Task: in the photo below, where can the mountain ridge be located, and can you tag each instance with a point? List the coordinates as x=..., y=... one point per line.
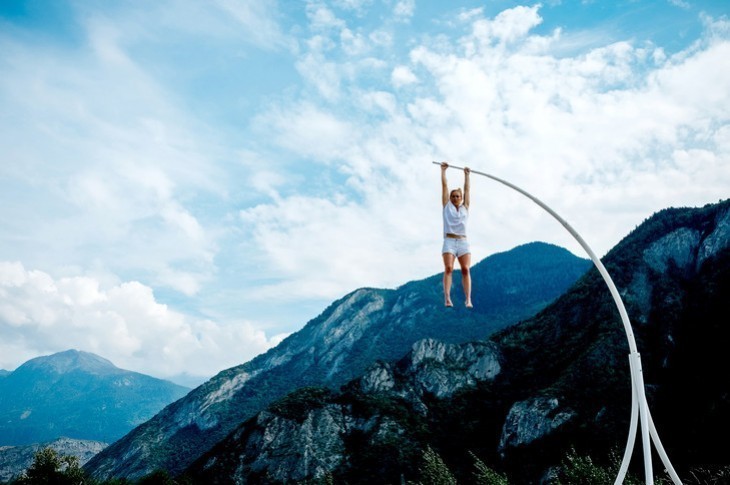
x=69, y=360
x=351, y=333
x=524, y=397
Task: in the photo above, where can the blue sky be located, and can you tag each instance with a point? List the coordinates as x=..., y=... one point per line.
x=185, y=183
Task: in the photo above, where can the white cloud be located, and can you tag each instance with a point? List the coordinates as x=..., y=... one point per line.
x=470, y=15
x=317, y=248
x=381, y=38
x=116, y=160
x=309, y=131
x=404, y=9
x=402, y=76
x=357, y=6
x=353, y=44
x=321, y=17
x=324, y=75
x=508, y=26
x=257, y=19
x=246, y=23
x=587, y=133
x=681, y=4
x=124, y=323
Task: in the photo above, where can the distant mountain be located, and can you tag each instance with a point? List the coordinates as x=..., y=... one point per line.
x=364, y=326
x=14, y=460
x=523, y=398
x=78, y=395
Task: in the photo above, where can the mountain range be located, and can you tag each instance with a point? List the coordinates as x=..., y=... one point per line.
x=77, y=395
x=519, y=397
x=523, y=398
x=337, y=346
x=537, y=370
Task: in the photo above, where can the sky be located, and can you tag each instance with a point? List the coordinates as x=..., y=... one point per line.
x=183, y=184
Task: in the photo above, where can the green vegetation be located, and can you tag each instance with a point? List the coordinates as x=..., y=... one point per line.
x=577, y=469
x=50, y=467
x=483, y=475
x=433, y=470
x=574, y=470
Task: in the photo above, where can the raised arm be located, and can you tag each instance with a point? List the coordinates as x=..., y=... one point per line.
x=466, y=187
x=444, y=185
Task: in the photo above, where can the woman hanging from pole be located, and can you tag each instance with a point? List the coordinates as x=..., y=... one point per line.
x=456, y=246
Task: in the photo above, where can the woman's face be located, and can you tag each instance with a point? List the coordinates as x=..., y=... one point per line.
x=456, y=198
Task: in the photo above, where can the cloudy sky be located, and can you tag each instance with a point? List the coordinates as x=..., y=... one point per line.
x=184, y=183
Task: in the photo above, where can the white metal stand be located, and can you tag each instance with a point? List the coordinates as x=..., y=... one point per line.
x=639, y=407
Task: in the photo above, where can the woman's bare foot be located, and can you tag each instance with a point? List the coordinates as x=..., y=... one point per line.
x=448, y=303
x=468, y=304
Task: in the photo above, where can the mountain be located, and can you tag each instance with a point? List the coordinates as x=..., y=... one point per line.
x=337, y=346
x=14, y=460
x=522, y=399
x=79, y=395
x=3, y=373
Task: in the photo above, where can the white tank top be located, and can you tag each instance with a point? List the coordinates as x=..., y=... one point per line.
x=455, y=219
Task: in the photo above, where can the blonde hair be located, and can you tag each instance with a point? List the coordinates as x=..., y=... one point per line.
x=456, y=190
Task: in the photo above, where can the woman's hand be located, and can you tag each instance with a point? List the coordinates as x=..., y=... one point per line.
x=444, y=165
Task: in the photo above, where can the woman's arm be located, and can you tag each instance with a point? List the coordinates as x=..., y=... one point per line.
x=466, y=187
x=444, y=185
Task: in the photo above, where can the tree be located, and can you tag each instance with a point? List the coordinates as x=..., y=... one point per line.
x=483, y=475
x=434, y=471
x=49, y=467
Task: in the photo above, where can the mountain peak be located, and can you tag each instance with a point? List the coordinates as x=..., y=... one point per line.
x=79, y=395
x=71, y=360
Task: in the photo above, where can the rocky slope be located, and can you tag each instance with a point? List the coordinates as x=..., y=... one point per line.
x=362, y=327
x=309, y=434
x=14, y=460
x=79, y=395
x=522, y=398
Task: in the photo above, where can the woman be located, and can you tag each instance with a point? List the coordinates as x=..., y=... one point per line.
x=455, y=215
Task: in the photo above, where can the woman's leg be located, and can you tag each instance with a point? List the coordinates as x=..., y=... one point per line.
x=448, y=271
x=465, y=263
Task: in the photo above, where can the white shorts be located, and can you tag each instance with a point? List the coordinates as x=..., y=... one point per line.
x=457, y=247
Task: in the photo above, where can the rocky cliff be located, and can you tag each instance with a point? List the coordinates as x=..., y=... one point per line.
x=312, y=432
x=364, y=326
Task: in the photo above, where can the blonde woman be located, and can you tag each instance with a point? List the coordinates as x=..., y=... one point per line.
x=456, y=246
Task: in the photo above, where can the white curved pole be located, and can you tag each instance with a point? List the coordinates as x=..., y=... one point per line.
x=637, y=381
